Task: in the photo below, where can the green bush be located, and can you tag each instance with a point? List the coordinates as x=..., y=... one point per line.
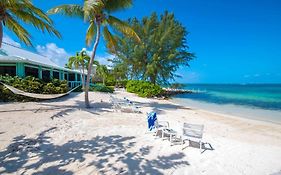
x=121, y=83
x=143, y=88
x=32, y=85
x=110, y=80
x=101, y=88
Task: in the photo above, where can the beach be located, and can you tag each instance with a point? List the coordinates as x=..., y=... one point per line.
x=62, y=137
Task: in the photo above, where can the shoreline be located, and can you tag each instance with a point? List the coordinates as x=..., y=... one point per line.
x=240, y=111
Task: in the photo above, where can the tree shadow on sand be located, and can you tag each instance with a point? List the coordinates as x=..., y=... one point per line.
x=26, y=155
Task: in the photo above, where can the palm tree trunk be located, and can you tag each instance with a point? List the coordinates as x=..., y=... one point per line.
x=1, y=33
x=87, y=85
x=83, y=77
x=83, y=80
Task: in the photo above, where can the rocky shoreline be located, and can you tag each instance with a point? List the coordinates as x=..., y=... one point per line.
x=168, y=92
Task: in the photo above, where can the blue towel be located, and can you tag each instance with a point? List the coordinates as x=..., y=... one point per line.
x=151, y=118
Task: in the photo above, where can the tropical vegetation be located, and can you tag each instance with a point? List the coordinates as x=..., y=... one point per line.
x=98, y=14
x=162, y=51
x=79, y=61
x=102, y=72
x=98, y=87
x=144, y=88
x=14, y=13
x=32, y=85
x=102, y=88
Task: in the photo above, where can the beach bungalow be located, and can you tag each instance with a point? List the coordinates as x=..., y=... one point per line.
x=16, y=61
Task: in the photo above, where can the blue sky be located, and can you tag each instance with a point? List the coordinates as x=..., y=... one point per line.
x=235, y=41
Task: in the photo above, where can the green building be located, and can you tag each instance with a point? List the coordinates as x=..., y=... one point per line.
x=16, y=61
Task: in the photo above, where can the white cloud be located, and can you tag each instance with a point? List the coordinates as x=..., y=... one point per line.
x=56, y=54
x=103, y=59
x=9, y=40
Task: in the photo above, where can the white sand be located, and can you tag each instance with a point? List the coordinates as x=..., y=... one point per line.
x=62, y=137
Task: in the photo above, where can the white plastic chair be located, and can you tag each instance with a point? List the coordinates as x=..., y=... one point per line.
x=192, y=132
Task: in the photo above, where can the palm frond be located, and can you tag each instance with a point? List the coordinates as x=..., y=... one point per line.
x=115, y=5
x=71, y=61
x=111, y=42
x=72, y=10
x=16, y=6
x=91, y=31
x=8, y=3
x=38, y=12
x=21, y=33
x=91, y=8
x=38, y=23
x=123, y=27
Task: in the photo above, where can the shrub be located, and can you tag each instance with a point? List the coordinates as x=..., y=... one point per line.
x=143, y=88
x=98, y=87
x=121, y=83
x=101, y=88
x=32, y=85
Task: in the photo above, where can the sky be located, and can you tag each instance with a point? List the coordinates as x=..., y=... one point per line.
x=235, y=41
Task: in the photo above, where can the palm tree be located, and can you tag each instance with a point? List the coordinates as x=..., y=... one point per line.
x=81, y=59
x=97, y=14
x=15, y=12
x=102, y=72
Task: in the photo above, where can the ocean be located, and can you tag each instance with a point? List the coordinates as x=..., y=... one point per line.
x=259, y=101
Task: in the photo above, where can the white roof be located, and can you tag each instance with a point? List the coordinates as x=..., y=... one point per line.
x=10, y=53
x=19, y=54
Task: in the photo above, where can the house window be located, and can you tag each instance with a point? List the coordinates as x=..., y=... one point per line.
x=45, y=75
x=71, y=77
x=30, y=71
x=10, y=70
x=78, y=77
x=56, y=75
x=65, y=76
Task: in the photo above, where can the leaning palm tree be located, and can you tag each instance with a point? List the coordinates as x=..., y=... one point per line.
x=81, y=59
x=15, y=12
x=97, y=14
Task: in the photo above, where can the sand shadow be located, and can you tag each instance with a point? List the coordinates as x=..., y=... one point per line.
x=29, y=154
x=205, y=146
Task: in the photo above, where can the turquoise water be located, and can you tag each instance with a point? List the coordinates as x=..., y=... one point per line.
x=263, y=96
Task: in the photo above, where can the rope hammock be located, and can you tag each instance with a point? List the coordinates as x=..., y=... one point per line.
x=34, y=95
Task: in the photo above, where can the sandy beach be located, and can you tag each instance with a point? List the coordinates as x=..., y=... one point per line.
x=63, y=137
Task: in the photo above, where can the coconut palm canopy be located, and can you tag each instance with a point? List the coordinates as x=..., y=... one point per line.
x=13, y=13
x=97, y=14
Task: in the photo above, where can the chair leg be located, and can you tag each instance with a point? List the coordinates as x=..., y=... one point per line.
x=171, y=139
x=200, y=145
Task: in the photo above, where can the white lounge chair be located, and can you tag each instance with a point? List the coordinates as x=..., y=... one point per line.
x=192, y=132
x=124, y=105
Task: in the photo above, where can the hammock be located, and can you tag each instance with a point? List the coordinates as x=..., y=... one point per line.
x=34, y=95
